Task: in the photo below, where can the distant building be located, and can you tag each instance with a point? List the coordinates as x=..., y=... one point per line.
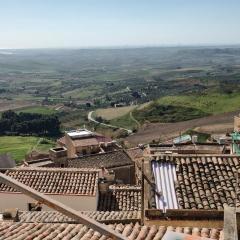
x=84, y=142
x=182, y=139
x=116, y=105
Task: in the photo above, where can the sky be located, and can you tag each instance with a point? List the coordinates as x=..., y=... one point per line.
x=118, y=23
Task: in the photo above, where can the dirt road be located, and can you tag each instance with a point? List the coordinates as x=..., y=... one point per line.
x=214, y=124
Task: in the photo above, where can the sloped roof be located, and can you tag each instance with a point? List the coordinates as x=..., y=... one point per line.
x=120, y=198
x=55, y=180
x=135, y=153
x=59, y=231
x=204, y=182
x=107, y=160
x=57, y=217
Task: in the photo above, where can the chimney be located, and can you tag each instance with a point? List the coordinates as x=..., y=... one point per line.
x=11, y=215
x=58, y=156
x=107, y=179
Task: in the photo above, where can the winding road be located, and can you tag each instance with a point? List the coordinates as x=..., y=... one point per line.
x=91, y=119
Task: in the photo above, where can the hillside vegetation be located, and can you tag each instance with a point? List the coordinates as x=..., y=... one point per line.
x=167, y=113
x=12, y=123
x=187, y=107
x=83, y=80
x=173, y=109
x=212, y=103
x=106, y=77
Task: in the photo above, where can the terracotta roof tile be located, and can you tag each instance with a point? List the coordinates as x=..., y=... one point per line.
x=56, y=217
x=120, y=198
x=59, y=231
x=55, y=180
x=107, y=160
x=205, y=182
x=135, y=153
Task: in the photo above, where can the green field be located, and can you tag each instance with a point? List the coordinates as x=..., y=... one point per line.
x=18, y=146
x=212, y=103
x=112, y=113
x=167, y=113
x=80, y=93
x=124, y=121
x=37, y=109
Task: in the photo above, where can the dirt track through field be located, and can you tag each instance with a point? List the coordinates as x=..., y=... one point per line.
x=163, y=131
x=13, y=105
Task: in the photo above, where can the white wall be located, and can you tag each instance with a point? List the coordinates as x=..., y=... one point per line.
x=20, y=201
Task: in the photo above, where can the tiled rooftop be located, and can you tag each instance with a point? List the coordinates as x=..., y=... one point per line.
x=107, y=160
x=56, y=217
x=204, y=182
x=135, y=153
x=55, y=180
x=120, y=198
x=36, y=231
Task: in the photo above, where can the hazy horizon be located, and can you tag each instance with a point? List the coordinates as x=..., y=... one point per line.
x=128, y=47
x=112, y=24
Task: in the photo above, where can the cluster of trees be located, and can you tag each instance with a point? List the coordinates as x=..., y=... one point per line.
x=29, y=124
x=167, y=113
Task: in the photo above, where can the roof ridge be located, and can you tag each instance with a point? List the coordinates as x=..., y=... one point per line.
x=198, y=155
x=46, y=169
x=98, y=154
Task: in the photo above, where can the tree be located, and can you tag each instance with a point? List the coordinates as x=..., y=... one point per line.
x=29, y=123
x=9, y=115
